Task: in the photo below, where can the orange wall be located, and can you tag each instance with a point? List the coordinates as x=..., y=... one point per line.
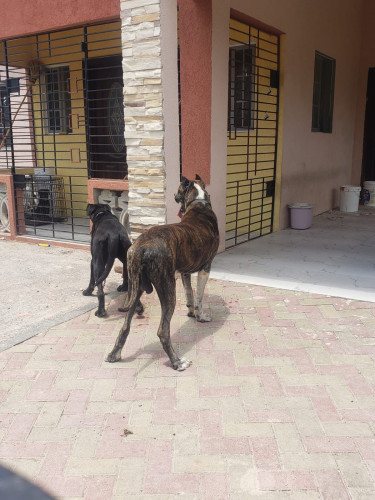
x=195, y=28
x=24, y=17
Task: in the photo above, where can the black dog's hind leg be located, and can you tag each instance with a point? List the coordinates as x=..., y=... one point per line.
x=98, y=269
x=125, y=282
x=166, y=290
x=91, y=286
x=186, y=281
x=101, y=312
x=115, y=354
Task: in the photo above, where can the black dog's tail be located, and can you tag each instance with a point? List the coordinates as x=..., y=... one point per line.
x=113, y=250
x=139, y=281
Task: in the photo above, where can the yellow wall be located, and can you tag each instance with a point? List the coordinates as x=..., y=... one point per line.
x=65, y=153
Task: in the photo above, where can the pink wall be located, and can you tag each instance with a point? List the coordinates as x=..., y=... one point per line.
x=367, y=60
x=195, y=25
x=314, y=165
x=23, y=17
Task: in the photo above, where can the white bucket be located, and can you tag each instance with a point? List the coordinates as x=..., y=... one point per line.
x=369, y=186
x=349, y=198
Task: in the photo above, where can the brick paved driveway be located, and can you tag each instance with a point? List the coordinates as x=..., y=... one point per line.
x=279, y=402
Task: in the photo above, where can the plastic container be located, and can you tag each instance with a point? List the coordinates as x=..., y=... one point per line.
x=301, y=215
x=369, y=187
x=349, y=198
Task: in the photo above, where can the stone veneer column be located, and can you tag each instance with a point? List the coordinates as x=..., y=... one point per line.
x=144, y=123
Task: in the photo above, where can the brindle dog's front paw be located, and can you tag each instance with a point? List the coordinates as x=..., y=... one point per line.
x=122, y=288
x=101, y=314
x=203, y=318
x=181, y=364
x=113, y=357
x=191, y=313
x=88, y=291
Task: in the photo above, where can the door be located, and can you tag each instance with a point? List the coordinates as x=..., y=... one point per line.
x=368, y=161
x=107, y=150
x=253, y=95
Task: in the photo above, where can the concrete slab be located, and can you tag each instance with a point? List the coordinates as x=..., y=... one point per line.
x=336, y=256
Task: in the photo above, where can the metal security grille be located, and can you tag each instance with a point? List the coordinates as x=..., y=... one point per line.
x=253, y=92
x=61, y=122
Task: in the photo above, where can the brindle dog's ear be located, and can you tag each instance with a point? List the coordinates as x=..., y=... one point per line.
x=184, y=181
x=198, y=178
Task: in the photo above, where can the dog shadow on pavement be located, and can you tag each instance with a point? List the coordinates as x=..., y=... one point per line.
x=189, y=337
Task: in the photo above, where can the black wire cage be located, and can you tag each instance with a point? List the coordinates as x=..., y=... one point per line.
x=44, y=200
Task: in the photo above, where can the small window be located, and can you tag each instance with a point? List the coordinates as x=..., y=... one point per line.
x=58, y=105
x=241, y=87
x=324, y=85
x=5, y=117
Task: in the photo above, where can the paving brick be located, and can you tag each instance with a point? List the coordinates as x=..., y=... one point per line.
x=288, y=438
x=353, y=470
x=286, y=480
x=199, y=464
x=265, y=453
x=330, y=485
x=20, y=427
x=63, y=486
x=329, y=444
x=214, y=486
x=100, y=488
x=174, y=484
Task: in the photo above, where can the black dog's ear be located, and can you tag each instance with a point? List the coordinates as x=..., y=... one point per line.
x=90, y=208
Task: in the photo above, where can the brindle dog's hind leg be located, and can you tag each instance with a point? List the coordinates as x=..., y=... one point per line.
x=186, y=281
x=115, y=354
x=166, y=290
x=201, y=283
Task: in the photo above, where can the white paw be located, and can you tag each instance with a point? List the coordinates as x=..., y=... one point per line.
x=182, y=364
x=203, y=318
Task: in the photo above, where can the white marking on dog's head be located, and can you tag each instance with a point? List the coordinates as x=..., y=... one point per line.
x=201, y=195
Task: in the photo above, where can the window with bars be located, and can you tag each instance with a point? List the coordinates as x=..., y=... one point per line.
x=58, y=105
x=323, y=94
x=5, y=115
x=241, y=87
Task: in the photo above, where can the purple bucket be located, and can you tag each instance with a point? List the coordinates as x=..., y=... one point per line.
x=301, y=215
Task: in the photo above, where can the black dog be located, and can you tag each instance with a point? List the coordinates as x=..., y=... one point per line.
x=159, y=252
x=109, y=240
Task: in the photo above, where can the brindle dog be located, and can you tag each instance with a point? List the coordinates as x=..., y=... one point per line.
x=188, y=247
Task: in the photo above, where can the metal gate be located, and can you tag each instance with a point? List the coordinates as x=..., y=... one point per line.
x=61, y=122
x=252, y=132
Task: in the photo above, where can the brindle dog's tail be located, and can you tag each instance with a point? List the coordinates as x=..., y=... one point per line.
x=139, y=281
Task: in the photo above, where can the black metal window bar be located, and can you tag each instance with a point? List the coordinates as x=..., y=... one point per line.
x=253, y=96
x=62, y=121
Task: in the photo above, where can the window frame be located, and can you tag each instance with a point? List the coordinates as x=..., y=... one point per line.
x=246, y=124
x=5, y=114
x=57, y=111
x=323, y=93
